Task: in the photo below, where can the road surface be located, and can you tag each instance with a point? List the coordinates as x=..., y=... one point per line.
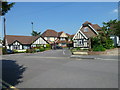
x=55, y=69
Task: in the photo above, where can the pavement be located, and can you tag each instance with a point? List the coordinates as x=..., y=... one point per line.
x=56, y=69
x=112, y=54
x=101, y=57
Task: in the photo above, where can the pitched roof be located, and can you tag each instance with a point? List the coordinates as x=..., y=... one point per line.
x=59, y=33
x=96, y=27
x=68, y=35
x=50, y=33
x=86, y=22
x=72, y=35
x=21, y=39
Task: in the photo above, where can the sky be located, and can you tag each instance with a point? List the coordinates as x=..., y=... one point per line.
x=59, y=16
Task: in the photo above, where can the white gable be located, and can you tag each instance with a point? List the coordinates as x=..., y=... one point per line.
x=63, y=35
x=79, y=34
x=16, y=43
x=40, y=41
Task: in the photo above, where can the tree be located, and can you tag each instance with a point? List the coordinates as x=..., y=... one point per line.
x=5, y=8
x=116, y=28
x=35, y=33
x=108, y=27
x=111, y=28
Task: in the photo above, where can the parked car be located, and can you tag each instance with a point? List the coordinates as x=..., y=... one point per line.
x=10, y=51
x=59, y=47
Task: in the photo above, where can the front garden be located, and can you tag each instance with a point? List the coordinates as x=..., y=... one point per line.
x=38, y=48
x=102, y=42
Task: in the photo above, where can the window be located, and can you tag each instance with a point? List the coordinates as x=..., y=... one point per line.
x=86, y=29
x=62, y=38
x=48, y=38
x=80, y=42
x=63, y=43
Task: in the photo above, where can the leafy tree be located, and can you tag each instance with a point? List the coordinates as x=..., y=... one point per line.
x=35, y=33
x=108, y=27
x=111, y=28
x=116, y=28
x=6, y=7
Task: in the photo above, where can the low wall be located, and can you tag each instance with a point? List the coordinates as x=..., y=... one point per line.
x=89, y=53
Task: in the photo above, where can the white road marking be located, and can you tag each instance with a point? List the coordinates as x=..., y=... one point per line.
x=64, y=52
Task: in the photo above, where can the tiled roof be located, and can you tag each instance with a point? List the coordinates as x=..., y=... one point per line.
x=86, y=22
x=59, y=33
x=96, y=27
x=68, y=34
x=91, y=32
x=72, y=35
x=50, y=33
x=22, y=39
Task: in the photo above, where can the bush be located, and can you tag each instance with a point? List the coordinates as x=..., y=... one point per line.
x=42, y=49
x=109, y=44
x=48, y=46
x=102, y=43
x=99, y=48
x=15, y=51
x=30, y=50
x=78, y=48
x=4, y=51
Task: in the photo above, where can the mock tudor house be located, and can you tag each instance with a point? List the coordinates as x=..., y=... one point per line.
x=57, y=38
x=82, y=37
x=24, y=42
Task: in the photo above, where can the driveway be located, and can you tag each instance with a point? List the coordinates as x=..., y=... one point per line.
x=55, y=69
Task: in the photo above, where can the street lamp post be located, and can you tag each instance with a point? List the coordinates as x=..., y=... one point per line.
x=5, y=33
x=32, y=26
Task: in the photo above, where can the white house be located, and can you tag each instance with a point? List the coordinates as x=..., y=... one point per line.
x=23, y=42
x=82, y=37
x=56, y=38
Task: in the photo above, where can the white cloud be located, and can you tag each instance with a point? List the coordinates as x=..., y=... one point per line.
x=115, y=11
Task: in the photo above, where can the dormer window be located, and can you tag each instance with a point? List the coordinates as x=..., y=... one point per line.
x=86, y=29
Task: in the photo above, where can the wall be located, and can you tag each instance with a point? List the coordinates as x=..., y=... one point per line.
x=50, y=38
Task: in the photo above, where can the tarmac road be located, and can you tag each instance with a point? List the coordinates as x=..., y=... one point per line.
x=55, y=69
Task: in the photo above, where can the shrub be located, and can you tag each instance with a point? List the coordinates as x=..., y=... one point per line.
x=102, y=43
x=48, y=46
x=78, y=48
x=42, y=49
x=15, y=51
x=4, y=51
x=99, y=48
x=30, y=50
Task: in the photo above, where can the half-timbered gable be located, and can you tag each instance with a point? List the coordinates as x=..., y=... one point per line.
x=39, y=41
x=86, y=31
x=24, y=42
x=80, y=40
